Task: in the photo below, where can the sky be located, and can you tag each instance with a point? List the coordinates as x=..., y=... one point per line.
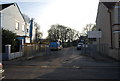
x=70, y=13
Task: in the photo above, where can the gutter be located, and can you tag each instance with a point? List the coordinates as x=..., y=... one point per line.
x=111, y=27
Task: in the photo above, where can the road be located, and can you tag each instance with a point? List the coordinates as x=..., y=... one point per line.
x=67, y=64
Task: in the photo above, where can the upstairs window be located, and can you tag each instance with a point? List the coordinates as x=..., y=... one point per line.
x=17, y=26
x=27, y=30
x=23, y=28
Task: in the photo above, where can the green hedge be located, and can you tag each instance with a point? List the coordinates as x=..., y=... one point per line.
x=8, y=37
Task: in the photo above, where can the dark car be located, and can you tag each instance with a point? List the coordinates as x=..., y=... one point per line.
x=79, y=46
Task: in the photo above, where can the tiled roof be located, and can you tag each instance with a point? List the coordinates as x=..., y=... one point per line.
x=26, y=18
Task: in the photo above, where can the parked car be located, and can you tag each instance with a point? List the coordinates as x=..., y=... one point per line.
x=55, y=46
x=79, y=46
x=1, y=71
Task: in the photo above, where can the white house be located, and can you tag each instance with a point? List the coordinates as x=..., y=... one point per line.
x=108, y=22
x=12, y=19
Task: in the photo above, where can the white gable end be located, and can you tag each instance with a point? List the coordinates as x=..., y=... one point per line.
x=10, y=16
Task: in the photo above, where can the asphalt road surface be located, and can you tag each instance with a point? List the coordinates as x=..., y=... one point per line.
x=67, y=64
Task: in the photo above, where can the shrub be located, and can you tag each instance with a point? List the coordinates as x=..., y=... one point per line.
x=8, y=37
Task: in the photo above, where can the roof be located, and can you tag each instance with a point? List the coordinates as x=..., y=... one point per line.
x=109, y=5
x=3, y=6
x=26, y=18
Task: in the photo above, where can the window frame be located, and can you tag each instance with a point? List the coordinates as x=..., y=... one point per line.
x=23, y=27
x=17, y=25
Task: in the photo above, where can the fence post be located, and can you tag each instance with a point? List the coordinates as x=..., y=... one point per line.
x=22, y=51
x=35, y=50
x=8, y=50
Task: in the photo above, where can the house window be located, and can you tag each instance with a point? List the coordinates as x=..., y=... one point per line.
x=17, y=26
x=23, y=28
x=27, y=30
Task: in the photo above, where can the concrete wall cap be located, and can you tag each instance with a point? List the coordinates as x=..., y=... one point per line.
x=8, y=45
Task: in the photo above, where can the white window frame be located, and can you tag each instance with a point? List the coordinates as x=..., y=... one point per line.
x=23, y=27
x=17, y=25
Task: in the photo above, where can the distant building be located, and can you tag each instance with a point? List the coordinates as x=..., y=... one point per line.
x=108, y=22
x=27, y=28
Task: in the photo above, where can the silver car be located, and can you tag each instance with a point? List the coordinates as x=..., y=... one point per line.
x=79, y=46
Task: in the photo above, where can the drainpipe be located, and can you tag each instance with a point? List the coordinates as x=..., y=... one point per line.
x=109, y=11
x=36, y=36
x=31, y=29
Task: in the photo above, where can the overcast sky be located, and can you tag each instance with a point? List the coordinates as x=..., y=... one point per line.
x=72, y=13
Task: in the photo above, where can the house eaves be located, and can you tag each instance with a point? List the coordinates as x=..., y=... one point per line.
x=20, y=11
x=98, y=10
x=109, y=5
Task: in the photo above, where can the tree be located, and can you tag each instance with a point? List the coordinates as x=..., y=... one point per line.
x=38, y=34
x=88, y=27
x=94, y=27
x=62, y=33
x=8, y=37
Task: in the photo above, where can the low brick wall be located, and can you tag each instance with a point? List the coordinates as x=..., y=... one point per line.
x=15, y=55
x=103, y=50
x=114, y=53
x=11, y=56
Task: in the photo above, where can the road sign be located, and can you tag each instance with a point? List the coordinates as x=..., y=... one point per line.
x=94, y=34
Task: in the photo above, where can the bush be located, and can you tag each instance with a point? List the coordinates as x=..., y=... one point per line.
x=8, y=37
